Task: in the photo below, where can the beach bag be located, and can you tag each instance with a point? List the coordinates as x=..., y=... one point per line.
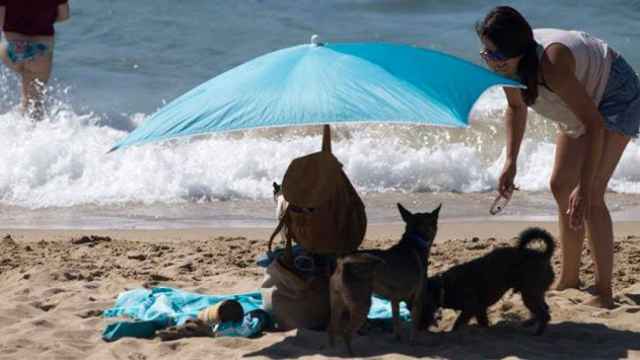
x=324, y=214
x=293, y=300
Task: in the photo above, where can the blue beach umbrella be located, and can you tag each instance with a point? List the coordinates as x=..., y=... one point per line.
x=327, y=84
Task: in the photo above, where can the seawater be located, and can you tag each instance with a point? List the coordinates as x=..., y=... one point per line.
x=117, y=62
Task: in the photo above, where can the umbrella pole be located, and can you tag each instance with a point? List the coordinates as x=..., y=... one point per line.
x=326, y=138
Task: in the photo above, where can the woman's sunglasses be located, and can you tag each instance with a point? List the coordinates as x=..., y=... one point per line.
x=496, y=55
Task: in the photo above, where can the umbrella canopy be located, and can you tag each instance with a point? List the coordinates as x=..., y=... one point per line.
x=327, y=83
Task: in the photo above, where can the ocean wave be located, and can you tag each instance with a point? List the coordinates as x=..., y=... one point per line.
x=62, y=161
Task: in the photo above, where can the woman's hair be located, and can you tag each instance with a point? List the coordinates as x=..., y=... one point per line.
x=512, y=35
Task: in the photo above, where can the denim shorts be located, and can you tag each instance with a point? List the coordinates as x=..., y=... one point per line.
x=620, y=105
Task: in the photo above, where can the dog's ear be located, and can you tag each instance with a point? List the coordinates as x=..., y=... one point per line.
x=436, y=212
x=406, y=214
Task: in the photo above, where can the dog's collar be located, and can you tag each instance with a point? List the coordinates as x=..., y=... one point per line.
x=417, y=239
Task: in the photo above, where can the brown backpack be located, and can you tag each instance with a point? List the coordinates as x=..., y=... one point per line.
x=324, y=214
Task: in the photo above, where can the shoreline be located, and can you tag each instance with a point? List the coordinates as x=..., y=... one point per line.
x=243, y=214
x=447, y=230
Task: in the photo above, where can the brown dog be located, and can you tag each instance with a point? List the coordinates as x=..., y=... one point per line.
x=351, y=286
x=402, y=275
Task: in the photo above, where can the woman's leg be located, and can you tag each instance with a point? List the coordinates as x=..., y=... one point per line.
x=18, y=68
x=599, y=221
x=564, y=178
x=35, y=75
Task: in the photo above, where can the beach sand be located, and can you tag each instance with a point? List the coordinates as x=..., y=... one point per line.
x=53, y=289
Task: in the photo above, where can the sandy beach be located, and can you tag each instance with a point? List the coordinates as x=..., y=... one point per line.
x=208, y=104
x=54, y=289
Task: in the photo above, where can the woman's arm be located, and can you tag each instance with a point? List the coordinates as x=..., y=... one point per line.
x=515, y=122
x=515, y=125
x=559, y=69
x=63, y=12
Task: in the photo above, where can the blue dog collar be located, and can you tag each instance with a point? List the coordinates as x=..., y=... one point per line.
x=422, y=243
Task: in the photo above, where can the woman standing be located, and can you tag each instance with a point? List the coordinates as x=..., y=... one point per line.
x=591, y=92
x=28, y=43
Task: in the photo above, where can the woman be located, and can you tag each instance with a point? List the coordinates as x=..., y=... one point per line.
x=591, y=92
x=28, y=42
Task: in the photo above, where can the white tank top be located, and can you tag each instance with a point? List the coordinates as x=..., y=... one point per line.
x=593, y=59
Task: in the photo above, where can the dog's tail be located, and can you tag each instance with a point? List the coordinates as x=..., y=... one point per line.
x=536, y=233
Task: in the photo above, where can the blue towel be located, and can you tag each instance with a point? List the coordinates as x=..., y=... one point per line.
x=381, y=309
x=161, y=307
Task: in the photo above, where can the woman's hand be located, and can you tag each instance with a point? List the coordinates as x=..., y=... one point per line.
x=579, y=204
x=63, y=12
x=505, y=183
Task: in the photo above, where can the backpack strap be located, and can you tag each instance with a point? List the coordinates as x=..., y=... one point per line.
x=288, y=249
x=275, y=232
x=288, y=245
x=281, y=223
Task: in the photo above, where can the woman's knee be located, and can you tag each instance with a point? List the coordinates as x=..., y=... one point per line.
x=561, y=187
x=596, y=198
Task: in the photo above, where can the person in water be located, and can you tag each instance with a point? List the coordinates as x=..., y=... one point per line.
x=27, y=45
x=591, y=92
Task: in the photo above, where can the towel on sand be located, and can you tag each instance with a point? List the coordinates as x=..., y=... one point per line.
x=161, y=307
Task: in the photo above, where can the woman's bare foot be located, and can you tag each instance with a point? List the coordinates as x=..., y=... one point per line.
x=600, y=302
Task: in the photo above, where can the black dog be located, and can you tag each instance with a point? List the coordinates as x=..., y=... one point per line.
x=474, y=286
x=402, y=274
